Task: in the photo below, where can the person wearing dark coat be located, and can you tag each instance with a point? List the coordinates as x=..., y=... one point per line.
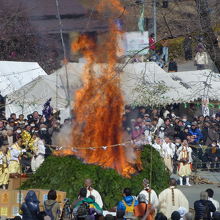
x=203, y=207
x=172, y=66
x=212, y=155
x=187, y=46
x=30, y=208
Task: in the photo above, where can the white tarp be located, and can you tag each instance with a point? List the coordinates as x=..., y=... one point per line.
x=183, y=87
x=14, y=75
x=201, y=84
x=151, y=73
x=32, y=96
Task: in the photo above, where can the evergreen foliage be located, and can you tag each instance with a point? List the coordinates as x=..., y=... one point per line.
x=68, y=174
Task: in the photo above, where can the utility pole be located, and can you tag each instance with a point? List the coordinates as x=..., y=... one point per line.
x=155, y=18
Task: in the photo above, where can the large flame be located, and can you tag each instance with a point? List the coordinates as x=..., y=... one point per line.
x=99, y=104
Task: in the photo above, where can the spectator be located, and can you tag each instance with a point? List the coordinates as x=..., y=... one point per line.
x=187, y=46
x=140, y=209
x=203, y=207
x=128, y=203
x=210, y=132
x=188, y=216
x=216, y=216
x=175, y=215
x=81, y=196
x=152, y=44
x=156, y=57
x=201, y=59
x=165, y=49
x=51, y=206
x=212, y=155
x=150, y=194
x=172, y=66
x=210, y=198
x=160, y=216
x=182, y=212
x=171, y=199
x=13, y=116
x=87, y=207
x=196, y=133
x=93, y=192
x=169, y=129
x=30, y=208
x=120, y=214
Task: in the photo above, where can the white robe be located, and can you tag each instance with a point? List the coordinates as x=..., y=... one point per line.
x=215, y=203
x=166, y=204
x=184, y=169
x=168, y=153
x=39, y=152
x=153, y=197
x=98, y=198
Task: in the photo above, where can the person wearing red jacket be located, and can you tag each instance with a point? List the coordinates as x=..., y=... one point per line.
x=152, y=42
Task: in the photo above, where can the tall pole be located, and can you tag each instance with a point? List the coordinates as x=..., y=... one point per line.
x=155, y=18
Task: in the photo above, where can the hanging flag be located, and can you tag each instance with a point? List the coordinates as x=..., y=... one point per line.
x=141, y=21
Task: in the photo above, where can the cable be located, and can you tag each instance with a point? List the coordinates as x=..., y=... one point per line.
x=10, y=74
x=64, y=51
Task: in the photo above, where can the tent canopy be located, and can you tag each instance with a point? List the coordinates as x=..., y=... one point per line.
x=32, y=96
x=199, y=84
x=14, y=75
x=150, y=74
x=182, y=87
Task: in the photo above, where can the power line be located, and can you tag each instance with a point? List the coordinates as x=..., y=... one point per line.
x=64, y=51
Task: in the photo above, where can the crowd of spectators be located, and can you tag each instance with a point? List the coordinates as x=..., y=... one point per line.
x=25, y=142
x=171, y=203
x=166, y=132
x=159, y=53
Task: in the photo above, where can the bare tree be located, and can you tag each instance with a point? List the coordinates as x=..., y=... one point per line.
x=210, y=38
x=19, y=41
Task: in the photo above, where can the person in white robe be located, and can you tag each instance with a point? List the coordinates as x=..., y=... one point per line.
x=185, y=162
x=150, y=194
x=39, y=153
x=168, y=152
x=93, y=192
x=171, y=199
x=158, y=146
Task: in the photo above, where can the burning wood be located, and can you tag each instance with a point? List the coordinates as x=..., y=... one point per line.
x=99, y=104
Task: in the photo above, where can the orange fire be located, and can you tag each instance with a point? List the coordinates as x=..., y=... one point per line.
x=99, y=104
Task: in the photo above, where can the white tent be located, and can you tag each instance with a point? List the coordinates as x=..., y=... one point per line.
x=150, y=73
x=199, y=84
x=33, y=95
x=14, y=75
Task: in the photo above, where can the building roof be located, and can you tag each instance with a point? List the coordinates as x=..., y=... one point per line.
x=43, y=15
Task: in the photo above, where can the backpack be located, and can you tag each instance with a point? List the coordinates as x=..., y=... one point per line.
x=83, y=210
x=48, y=211
x=129, y=209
